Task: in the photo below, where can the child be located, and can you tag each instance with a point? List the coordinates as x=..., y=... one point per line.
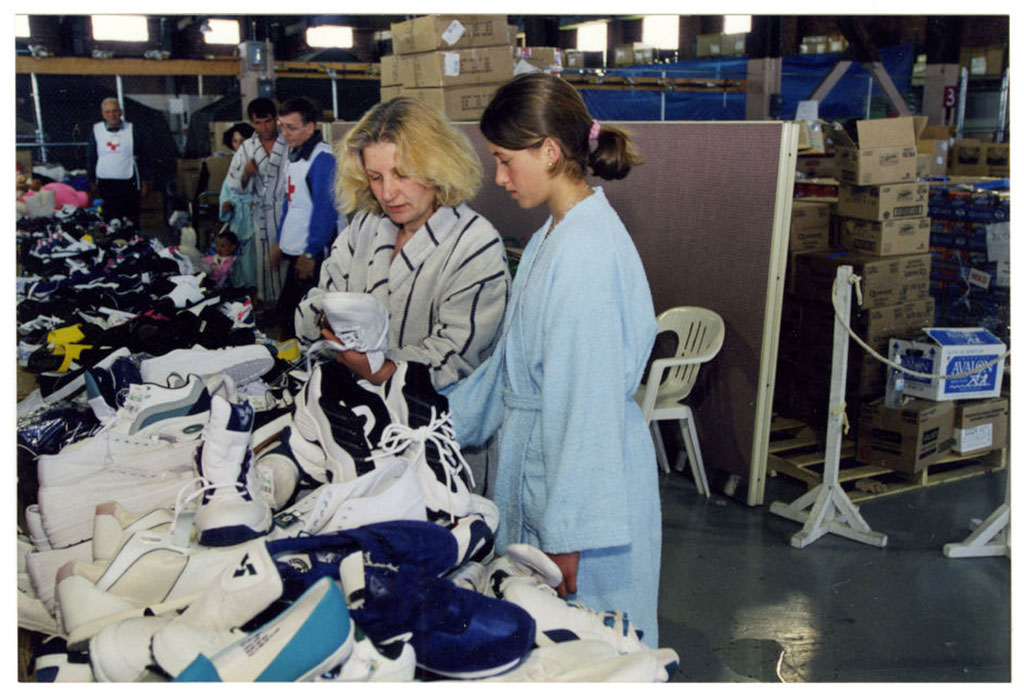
x=220, y=263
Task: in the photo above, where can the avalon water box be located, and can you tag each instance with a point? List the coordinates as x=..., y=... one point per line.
x=951, y=351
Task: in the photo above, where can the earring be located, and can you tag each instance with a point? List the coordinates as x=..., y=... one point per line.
x=550, y=165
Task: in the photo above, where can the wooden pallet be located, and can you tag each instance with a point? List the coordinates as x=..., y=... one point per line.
x=798, y=451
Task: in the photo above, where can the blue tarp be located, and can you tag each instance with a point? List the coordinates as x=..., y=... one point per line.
x=800, y=75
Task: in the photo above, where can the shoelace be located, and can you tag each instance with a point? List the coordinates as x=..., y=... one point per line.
x=397, y=437
x=181, y=504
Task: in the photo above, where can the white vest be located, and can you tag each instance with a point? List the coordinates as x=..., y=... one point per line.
x=295, y=226
x=114, y=152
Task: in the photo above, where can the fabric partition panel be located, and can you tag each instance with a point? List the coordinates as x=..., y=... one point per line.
x=708, y=211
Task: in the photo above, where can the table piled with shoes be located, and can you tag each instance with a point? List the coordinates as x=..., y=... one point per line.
x=198, y=502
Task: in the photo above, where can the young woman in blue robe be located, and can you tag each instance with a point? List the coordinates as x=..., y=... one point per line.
x=577, y=476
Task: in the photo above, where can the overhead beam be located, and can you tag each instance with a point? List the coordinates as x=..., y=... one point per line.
x=226, y=66
x=862, y=49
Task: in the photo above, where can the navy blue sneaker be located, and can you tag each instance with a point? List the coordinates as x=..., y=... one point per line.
x=461, y=634
x=106, y=388
x=411, y=545
x=390, y=573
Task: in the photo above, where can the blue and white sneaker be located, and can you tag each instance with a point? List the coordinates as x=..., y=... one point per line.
x=107, y=388
x=559, y=621
x=388, y=493
x=307, y=639
x=346, y=421
x=456, y=633
x=232, y=508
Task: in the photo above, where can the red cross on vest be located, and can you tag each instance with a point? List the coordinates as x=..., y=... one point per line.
x=112, y=145
x=291, y=189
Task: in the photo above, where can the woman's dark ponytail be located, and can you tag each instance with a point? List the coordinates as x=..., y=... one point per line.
x=614, y=154
x=534, y=106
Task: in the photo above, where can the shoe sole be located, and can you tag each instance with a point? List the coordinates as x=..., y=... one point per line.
x=85, y=459
x=249, y=363
x=106, y=644
x=82, y=633
x=68, y=511
x=478, y=674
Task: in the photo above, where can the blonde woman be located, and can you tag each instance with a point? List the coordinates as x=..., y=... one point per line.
x=413, y=242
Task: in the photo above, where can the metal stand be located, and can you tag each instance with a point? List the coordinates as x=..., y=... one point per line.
x=831, y=509
x=990, y=537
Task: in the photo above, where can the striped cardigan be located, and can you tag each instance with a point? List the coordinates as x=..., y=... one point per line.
x=445, y=291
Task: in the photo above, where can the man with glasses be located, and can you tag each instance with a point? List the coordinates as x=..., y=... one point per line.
x=310, y=219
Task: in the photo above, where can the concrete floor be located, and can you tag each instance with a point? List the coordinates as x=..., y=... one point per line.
x=740, y=604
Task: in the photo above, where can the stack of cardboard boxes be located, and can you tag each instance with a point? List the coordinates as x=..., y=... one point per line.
x=828, y=43
x=970, y=247
x=635, y=53
x=938, y=418
x=546, y=58
x=878, y=225
x=721, y=45
x=973, y=158
x=983, y=60
x=453, y=62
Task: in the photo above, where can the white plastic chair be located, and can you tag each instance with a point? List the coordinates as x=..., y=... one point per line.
x=699, y=333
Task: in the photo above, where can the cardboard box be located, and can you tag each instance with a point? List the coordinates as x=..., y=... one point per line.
x=982, y=60
x=389, y=93
x=434, y=32
x=809, y=226
x=709, y=45
x=465, y=66
x=905, y=439
x=885, y=281
x=968, y=158
x=633, y=54
x=932, y=149
x=951, y=351
x=904, y=318
x=466, y=103
x=540, y=56
x=885, y=152
x=389, y=71
x=816, y=166
x=885, y=202
x=997, y=159
x=980, y=426
x=572, y=58
x=886, y=238
x=812, y=138
x=733, y=44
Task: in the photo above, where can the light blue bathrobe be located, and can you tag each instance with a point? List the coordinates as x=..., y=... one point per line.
x=576, y=466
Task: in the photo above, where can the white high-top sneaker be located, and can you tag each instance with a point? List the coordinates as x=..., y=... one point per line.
x=232, y=506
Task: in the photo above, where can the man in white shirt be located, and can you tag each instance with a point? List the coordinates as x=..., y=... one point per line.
x=118, y=168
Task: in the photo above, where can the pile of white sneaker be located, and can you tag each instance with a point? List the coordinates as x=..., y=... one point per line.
x=573, y=642
x=147, y=553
